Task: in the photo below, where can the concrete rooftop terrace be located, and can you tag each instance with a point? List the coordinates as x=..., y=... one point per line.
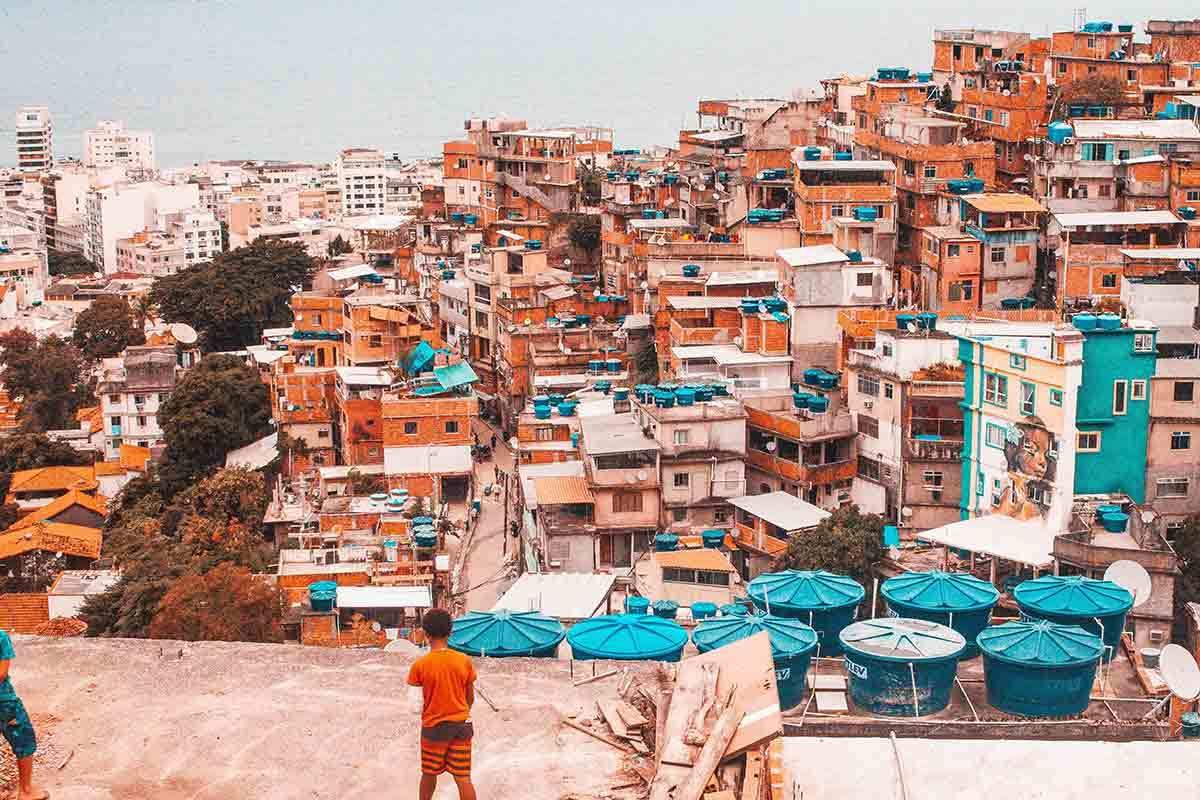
x=277, y=722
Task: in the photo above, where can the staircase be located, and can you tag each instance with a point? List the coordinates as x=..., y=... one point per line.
x=527, y=189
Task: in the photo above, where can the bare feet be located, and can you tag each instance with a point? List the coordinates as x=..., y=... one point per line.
x=34, y=793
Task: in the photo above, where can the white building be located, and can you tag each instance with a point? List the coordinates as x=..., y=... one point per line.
x=35, y=137
x=109, y=144
x=119, y=211
x=362, y=182
x=197, y=230
x=132, y=388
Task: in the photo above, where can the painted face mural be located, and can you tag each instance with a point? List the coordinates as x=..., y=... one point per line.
x=1031, y=453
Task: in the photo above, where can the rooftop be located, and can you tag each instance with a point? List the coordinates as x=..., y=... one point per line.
x=1002, y=202
x=1091, y=218
x=684, y=302
x=844, y=166
x=696, y=558
x=782, y=509
x=742, y=277
x=619, y=433
x=1135, y=129
x=812, y=255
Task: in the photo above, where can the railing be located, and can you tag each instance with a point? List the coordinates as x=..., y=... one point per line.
x=1077, y=549
x=937, y=389
x=927, y=450
x=681, y=335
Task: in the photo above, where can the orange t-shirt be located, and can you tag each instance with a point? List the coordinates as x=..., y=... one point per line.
x=444, y=677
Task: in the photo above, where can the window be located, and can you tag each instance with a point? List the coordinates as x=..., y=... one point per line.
x=868, y=426
x=1108, y=280
x=1120, y=397
x=1056, y=397
x=1016, y=361
x=958, y=52
x=1088, y=442
x=322, y=434
x=1062, y=66
x=887, y=351
x=682, y=436
x=114, y=398
x=868, y=385
x=868, y=468
x=452, y=426
x=483, y=292
x=560, y=549
x=961, y=290
x=1004, y=119
x=682, y=480
x=952, y=251
x=969, y=169
x=1097, y=151
x=1172, y=487
x=1193, y=195
x=410, y=428
x=998, y=255
x=1168, y=148
x=1143, y=342
x=837, y=211
x=930, y=171
x=1028, y=398
x=932, y=479
x=462, y=163
x=889, y=390
x=481, y=320
x=995, y=389
x=1184, y=391
x=1137, y=390
x=543, y=434
x=1181, y=440
x=375, y=341
x=141, y=421
x=987, y=115
x=627, y=502
x=994, y=435
x=864, y=279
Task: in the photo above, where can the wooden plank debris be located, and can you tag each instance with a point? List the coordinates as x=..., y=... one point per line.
x=752, y=776
x=608, y=710
x=631, y=716
x=827, y=682
x=570, y=723
x=747, y=665
x=710, y=755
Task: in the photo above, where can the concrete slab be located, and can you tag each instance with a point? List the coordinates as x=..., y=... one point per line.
x=832, y=703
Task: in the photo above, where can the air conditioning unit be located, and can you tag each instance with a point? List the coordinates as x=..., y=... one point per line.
x=1069, y=140
x=868, y=404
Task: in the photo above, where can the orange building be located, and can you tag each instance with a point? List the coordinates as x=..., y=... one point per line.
x=379, y=326
x=317, y=329
x=1075, y=55
x=826, y=190
x=1177, y=40
x=302, y=400
x=1009, y=108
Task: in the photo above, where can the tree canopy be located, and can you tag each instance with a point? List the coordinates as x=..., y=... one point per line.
x=62, y=263
x=1187, y=586
x=47, y=374
x=225, y=604
x=219, y=405
x=584, y=232
x=106, y=328
x=232, y=298
x=847, y=542
x=338, y=246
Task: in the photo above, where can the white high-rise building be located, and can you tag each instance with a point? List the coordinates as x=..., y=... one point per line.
x=119, y=211
x=199, y=232
x=35, y=137
x=109, y=144
x=362, y=181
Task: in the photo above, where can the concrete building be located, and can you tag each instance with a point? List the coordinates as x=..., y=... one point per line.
x=111, y=144
x=121, y=210
x=1172, y=469
x=132, y=388
x=35, y=138
x=362, y=182
x=150, y=253
x=197, y=230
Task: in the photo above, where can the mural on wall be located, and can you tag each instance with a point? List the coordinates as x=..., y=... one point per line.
x=1031, y=453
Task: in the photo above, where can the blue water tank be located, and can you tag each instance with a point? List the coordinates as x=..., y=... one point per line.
x=713, y=538
x=812, y=153
x=501, y=634
x=734, y=610
x=792, y=646
x=703, y=610
x=1115, y=521
x=621, y=393
x=818, y=404
x=855, y=256
x=1039, y=668
x=566, y=409
x=541, y=412
x=1108, y=322
x=685, y=397
x=904, y=320
x=812, y=375
x=666, y=542
x=627, y=637
x=1186, y=212
x=866, y=213
x=1084, y=322
x=1058, y=132
x=843, y=155
x=927, y=321
x=704, y=394
x=667, y=609
x=664, y=399
x=613, y=365
x=636, y=605
x=901, y=667
x=827, y=602
x=603, y=387
x=801, y=399
x=958, y=600
x=322, y=595
x=1091, y=604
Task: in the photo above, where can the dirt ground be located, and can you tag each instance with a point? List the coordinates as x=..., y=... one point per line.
x=171, y=720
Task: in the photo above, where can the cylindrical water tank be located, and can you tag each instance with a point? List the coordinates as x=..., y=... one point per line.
x=955, y=599
x=901, y=667
x=1039, y=668
x=827, y=602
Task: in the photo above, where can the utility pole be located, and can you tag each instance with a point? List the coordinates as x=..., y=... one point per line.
x=504, y=532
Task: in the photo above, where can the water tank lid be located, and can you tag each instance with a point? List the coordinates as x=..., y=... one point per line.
x=900, y=639
x=1040, y=642
x=505, y=633
x=627, y=637
x=734, y=609
x=1073, y=595
x=941, y=591
x=789, y=637
x=804, y=590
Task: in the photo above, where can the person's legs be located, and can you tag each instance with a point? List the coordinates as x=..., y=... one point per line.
x=466, y=789
x=428, y=786
x=433, y=763
x=458, y=764
x=18, y=731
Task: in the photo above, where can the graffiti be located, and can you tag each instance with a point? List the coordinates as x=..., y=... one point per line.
x=857, y=670
x=1031, y=453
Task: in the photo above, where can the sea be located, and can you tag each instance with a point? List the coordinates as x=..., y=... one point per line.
x=299, y=80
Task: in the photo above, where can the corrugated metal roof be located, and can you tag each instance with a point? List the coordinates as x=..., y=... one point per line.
x=844, y=166
x=562, y=490
x=1161, y=253
x=782, y=509
x=563, y=595
x=1135, y=129
x=809, y=256
x=1002, y=202
x=459, y=374
x=1089, y=218
x=255, y=455
x=692, y=303
x=348, y=273
x=700, y=558
x=427, y=460
x=743, y=277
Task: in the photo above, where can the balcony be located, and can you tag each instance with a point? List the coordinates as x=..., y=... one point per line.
x=953, y=389
x=804, y=429
x=933, y=449
x=805, y=473
x=686, y=335
x=1082, y=550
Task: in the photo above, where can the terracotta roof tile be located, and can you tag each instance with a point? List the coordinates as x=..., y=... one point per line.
x=55, y=537
x=95, y=503
x=24, y=613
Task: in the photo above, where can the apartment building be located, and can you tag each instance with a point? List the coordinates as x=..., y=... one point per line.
x=35, y=138
x=1088, y=248
x=621, y=466
x=826, y=190
x=111, y=144
x=1108, y=51
x=362, y=182
x=1172, y=469
x=150, y=253
x=132, y=388
x=197, y=230
x=121, y=210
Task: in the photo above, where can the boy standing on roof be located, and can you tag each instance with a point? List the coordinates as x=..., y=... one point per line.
x=18, y=730
x=447, y=681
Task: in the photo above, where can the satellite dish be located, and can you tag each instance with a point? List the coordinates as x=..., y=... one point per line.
x=1180, y=672
x=771, y=446
x=1132, y=576
x=183, y=333
x=375, y=626
x=906, y=512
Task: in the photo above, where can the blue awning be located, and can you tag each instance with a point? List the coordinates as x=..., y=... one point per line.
x=422, y=356
x=459, y=374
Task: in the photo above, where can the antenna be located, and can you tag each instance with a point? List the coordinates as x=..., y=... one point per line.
x=1180, y=672
x=1131, y=576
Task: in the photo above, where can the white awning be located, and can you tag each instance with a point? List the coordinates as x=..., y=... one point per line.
x=384, y=597
x=427, y=460
x=997, y=535
x=562, y=595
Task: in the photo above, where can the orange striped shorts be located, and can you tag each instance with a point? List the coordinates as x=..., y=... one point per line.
x=450, y=755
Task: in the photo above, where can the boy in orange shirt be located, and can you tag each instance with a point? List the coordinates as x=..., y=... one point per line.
x=447, y=681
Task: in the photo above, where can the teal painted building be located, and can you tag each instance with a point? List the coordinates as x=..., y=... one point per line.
x=1113, y=411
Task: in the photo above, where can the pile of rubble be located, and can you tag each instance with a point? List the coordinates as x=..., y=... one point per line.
x=62, y=626
x=702, y=731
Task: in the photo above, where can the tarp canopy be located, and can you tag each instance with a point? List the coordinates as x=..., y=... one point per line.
x=459, y=374
x=383, y=597
x=420, y=358
x=997, y=535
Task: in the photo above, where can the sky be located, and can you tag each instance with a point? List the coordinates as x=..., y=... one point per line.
x=301, y=80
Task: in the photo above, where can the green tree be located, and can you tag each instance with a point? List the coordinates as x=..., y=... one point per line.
x=218, y=406
x=32, y=451
x=584, y=232
x=1187, y=585
x=106, y=328
x=47, y=375
x=1094, y=90
x=62, y=263
x=360, y=485
x=225, y=604
x=589, y=184
x=338, y=246
x=232, y=298
x=144, y=310
x=945, y=100
x=847, y=542
x=645, y=361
